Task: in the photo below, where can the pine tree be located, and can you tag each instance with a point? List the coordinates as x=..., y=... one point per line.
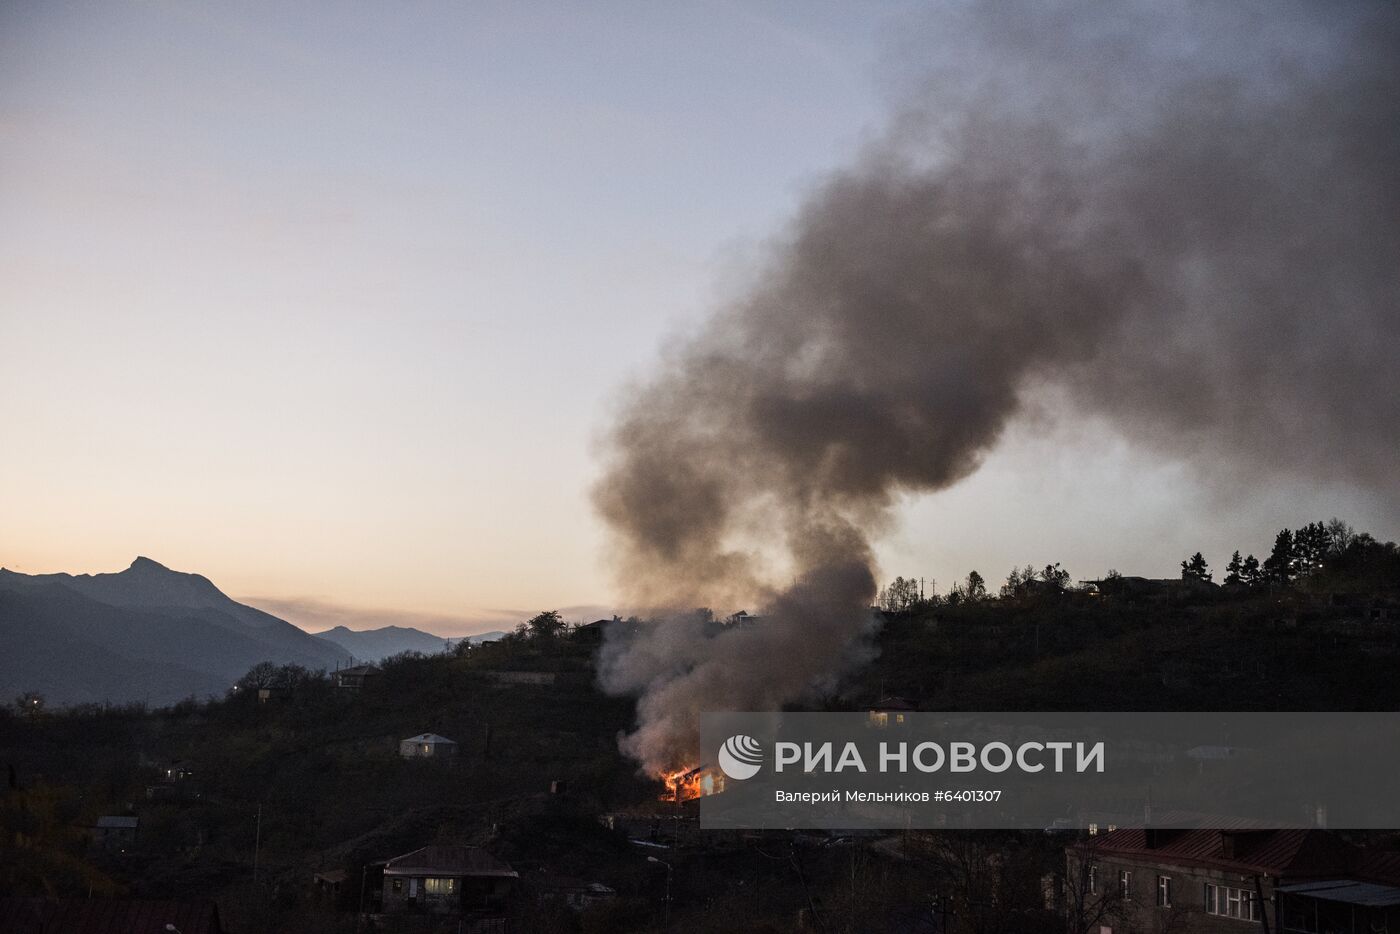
x=1250, y=573
x=1282, y=564
x=1311, y=545
x=1232, y=570
x=1195, y=568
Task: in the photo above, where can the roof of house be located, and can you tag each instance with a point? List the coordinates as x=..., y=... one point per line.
x=892, y=702
x=359, y=670
x=1348, y=890
x=1289, y=854
x=573, y=884
x=464, y=861
x=117, y=823
x=331, y=875
x=106, y=916
x=432, y=739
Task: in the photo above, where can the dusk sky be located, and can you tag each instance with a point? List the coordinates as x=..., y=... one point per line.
x=332, y=303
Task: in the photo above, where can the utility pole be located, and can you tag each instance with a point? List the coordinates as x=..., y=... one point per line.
x=257, y=842
x=942, y=911
x=666, y=922
x=359, y=918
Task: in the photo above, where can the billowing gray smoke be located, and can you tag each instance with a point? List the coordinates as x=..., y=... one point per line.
x=1187, y=217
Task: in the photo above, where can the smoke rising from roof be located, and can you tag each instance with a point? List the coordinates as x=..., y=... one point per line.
x=1186, y=218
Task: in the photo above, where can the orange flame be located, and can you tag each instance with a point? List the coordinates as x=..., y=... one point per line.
x=690, y=783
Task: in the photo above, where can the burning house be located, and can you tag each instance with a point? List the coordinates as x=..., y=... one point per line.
x=689, y=784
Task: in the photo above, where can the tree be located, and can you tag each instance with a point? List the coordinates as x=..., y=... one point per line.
x=1339, y=536
x=30, y=702
x=1311, y=546
x=271, y=675
x=1055, y=575
x=292, y=676
x=261, y=675
x=1250, y=573
x=976, y=587
x=1281, y=565
x=1195, y=568
x=1016, y=580
x=1232, y=570
x=545, y=625
x=43, y=844
x=900, y=595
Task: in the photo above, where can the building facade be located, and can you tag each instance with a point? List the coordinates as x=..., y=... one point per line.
x=1147, y=881
x=427, y=746
x=445, y=880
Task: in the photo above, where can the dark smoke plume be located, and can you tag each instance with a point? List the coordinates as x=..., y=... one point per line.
x=1187, y=216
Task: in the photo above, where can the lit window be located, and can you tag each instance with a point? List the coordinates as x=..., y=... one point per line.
x=440, y=886
x=1093, y=830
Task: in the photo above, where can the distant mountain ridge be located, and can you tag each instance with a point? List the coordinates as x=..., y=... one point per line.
x=372, y=645
x=143, y=634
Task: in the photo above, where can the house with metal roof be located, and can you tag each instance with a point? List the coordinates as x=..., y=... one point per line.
x=445, y=880
x=354, y=679
x=427, y=746
x=1339, y=906
x=115, y=833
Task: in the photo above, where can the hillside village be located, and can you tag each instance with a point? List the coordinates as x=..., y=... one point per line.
x=481, y=789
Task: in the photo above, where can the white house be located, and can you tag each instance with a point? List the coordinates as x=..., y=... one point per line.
x=427, y=746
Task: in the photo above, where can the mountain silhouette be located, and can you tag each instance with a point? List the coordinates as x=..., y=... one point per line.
x=145, y=634
x=371, y=645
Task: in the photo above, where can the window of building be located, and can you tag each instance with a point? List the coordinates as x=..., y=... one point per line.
x=1093, y=830
x=1125, y=884
x=1164, y=891
x=1229, y=902
x=1093, y=880
x=396, y=886
x=439, y=886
